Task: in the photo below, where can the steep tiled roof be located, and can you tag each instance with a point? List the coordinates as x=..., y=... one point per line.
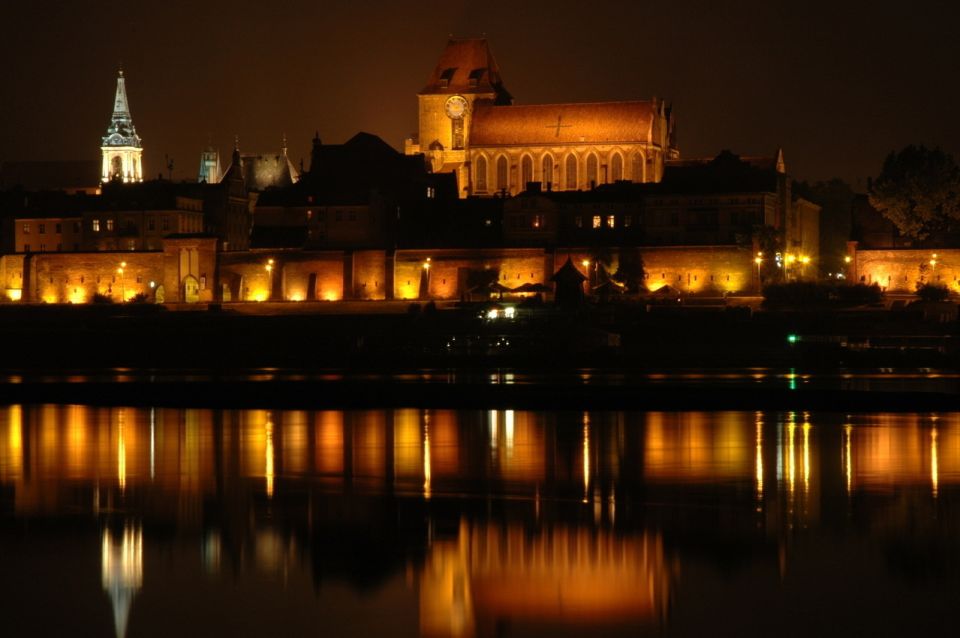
x=467, y=66
x=548, y=124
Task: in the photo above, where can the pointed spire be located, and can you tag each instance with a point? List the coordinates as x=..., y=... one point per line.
x=283, y=145
x=121, y=131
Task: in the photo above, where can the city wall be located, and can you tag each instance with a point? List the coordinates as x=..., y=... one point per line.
x=902, y=270
x=190, y=270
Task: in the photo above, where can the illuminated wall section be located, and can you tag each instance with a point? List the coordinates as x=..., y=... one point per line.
x=327, y=270
x=707, y=269
x=77, y=277
x=441, y=270
x=11, y=277
x=901, y=270
x=369, y=274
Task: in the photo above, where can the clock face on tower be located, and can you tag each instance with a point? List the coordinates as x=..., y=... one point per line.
x=456, y=106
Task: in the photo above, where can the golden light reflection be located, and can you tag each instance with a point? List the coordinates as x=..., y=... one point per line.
x=806, y=458
x=269, y=458
x=427, y=473
x=934, y=463
x=121, y=453
x=121, y=562
x=11, y=458
x=329, y=442
x=698, y=446
x=572, y=575
x=586, y=456
x=759, y=456
x=847, y=457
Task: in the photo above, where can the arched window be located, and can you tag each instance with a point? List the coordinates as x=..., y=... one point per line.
x=636, y=171
x=592, y=170
x=571, y=183
x=481, y=174
x=547, y=171
x=616, y=167
x=502, y=183
x=526, y=171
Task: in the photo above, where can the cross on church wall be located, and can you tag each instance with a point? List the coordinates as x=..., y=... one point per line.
x=559, y=126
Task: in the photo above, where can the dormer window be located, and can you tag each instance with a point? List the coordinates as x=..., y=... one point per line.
x=446, y=76
x=474, y=79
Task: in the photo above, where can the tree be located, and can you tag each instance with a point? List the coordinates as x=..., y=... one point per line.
x=835, y=197
x=630, y=270
x=919, y=191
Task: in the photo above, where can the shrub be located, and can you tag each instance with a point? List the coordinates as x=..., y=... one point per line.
x=807, y=294
x=99, y=297
x=932, y=292
x=140, y=297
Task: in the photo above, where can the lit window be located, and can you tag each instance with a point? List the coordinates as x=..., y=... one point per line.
x=109, y=225
x=537, y=221
x=95, y=225
x=596, y=221
x=309, y=214
x=431, y=192
x=611, y=221
x=26, y=229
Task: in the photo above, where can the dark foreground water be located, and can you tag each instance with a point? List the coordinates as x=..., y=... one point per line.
x=168, y=522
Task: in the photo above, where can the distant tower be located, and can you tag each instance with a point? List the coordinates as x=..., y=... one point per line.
x=209, y=166
x=121, y=145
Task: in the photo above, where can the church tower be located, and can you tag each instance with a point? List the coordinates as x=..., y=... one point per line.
x=209, y=166
x=120, y=147
x=466, y=74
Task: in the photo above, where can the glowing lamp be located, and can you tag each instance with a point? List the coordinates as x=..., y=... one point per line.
x=847, y=259
x=792, y=338
x=585, y=263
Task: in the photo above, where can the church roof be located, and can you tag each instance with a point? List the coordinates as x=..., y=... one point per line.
x=121, y=131
x=558, y=124
x=467, y=66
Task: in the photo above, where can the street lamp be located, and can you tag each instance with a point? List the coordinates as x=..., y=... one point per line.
x=269, y=269
x=933, y=266
x=758, y=260
x=123, y=296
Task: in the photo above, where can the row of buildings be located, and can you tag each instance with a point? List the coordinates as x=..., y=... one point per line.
x=488, y=193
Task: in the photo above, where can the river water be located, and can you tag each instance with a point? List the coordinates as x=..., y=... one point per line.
x=405, y=522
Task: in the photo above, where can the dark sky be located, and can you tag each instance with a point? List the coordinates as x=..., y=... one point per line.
x=837, y=84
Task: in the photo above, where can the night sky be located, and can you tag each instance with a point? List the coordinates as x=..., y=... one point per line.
x=837, y=84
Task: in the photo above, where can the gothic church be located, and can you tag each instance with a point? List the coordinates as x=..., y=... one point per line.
x=469, y=125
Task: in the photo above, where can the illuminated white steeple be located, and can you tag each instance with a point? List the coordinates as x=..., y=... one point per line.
x=121, y=147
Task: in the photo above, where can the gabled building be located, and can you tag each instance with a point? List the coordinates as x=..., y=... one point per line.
x=469, y=125
x=354, y=195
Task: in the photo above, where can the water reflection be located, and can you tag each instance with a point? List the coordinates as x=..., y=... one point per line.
x=473, y=523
